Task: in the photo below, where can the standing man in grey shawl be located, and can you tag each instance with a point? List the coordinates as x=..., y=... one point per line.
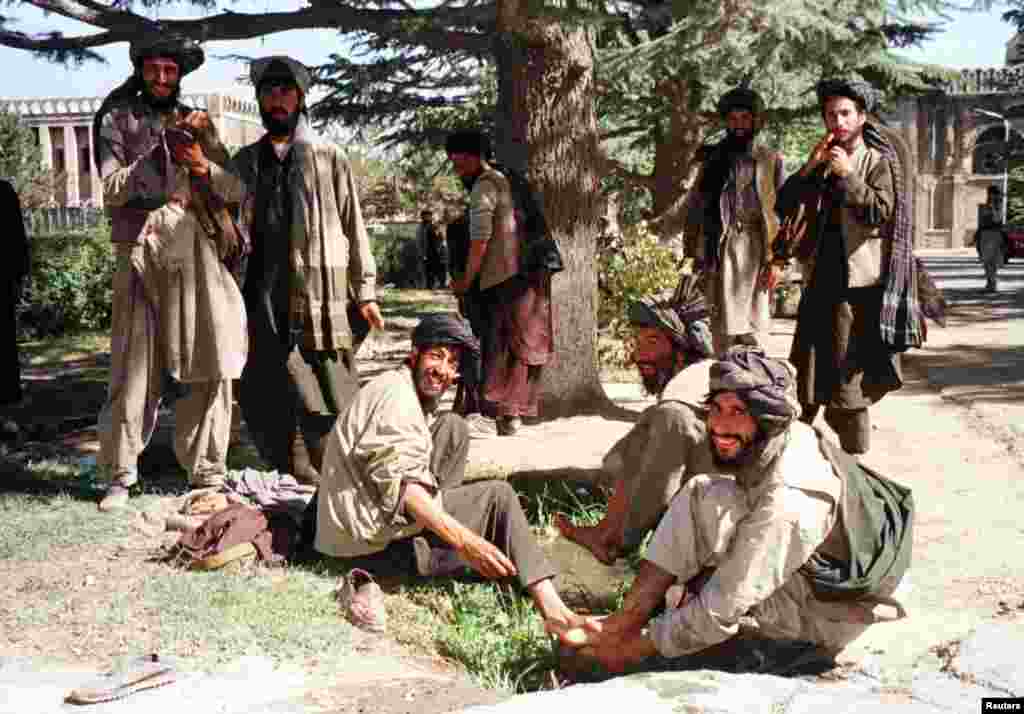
x=311, y=257
x=731, y=222
x=859, y=308
x=787, y=530
x=178, y=318
x=648, y=466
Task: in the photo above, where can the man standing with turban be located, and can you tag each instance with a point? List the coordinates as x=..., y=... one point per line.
x=518, y=337
x=731, y=222
x=392, y=494
x=649, y=465
x=178, y=319
x=789, y=531
x=859, y=308
x=311, y=256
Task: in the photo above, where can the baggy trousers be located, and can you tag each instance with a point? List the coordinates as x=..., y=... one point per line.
x=491, y=509
x=202, y=427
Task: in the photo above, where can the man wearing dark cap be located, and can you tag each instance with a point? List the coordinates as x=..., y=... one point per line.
x=311, y=262
x=518, y=337
x=788, y=531
x=178, y=319
x=672, y=344
x=859, y=308
x=391, y=495
x=731, y=222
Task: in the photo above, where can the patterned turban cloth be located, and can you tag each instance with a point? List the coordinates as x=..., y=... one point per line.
x=682, y=314
x=445, y=328
x=767, y=385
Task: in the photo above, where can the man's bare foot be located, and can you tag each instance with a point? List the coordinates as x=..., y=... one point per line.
x=593, y=538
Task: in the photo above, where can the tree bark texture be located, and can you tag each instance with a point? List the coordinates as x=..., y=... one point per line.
x=546, y=126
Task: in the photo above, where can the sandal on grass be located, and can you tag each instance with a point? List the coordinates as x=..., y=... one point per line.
x=362, y=601
x=145, y=672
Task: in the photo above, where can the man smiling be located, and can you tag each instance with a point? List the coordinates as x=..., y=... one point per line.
x=391, y=495
x=789, y=531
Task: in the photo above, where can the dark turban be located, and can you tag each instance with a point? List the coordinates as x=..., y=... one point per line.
x=740, y=98
x=682, y=314
x=187, y=53
x=767, y=385
x=280, y=69
x=468, y=141
x=863, y=94
x=444, y=328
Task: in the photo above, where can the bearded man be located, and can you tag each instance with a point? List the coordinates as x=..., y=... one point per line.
x=668, y=444
x=311, y=257
x=859, y=307
x=731, y=222
x=178, y=318
x=788, y=530
x=392, y=494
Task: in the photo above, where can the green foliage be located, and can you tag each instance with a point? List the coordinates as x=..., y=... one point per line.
x=639, y=265
x=396, y=254
x=20, y=162
x=70, y=285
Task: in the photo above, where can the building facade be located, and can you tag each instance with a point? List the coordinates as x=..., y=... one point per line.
x=63, y=128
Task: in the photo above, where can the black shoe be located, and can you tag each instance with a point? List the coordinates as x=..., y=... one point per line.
x=509, y=425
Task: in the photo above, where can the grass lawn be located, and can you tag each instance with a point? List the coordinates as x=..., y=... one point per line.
x=81, y=586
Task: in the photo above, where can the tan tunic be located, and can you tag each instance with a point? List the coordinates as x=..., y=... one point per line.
x=756, y=540
x=379, y=443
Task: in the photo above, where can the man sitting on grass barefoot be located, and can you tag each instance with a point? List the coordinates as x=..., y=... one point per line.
x=391, y=494
x=789, y=531
x=668, y=444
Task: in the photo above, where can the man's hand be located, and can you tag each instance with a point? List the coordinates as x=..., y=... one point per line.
x=819, y=154
x=485, y=558
x=839, y=161
x=191, y=156
x=371, y=313
x=198, y=121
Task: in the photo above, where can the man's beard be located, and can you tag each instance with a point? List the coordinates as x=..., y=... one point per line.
x=736, y=142
x=428, y=401
x=161, y=104
x=750, y=450
x=655, y=383
x=280, y=127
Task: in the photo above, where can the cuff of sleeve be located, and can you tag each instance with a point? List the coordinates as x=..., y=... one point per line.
x=364, y=292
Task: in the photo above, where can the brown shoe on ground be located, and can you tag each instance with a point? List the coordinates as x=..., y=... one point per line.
x=509, y=425
x=362, y=601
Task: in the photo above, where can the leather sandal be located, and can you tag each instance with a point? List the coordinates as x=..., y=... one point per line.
x=362, y=601
x=143, y=673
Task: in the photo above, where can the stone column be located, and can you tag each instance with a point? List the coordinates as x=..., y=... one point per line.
x=46, y=147
x=71, y=166
x=95, y=181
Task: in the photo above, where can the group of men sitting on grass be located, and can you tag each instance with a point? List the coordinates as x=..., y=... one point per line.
x=772, y=548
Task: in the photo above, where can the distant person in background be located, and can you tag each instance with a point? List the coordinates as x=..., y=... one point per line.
x=16, y=267
x=990, y=242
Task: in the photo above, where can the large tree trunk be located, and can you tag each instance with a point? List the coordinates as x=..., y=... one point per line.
x=546, y=125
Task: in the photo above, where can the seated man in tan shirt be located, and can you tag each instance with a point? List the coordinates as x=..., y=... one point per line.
x=391, y=492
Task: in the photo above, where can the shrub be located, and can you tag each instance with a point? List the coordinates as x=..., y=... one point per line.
x=629, y=268
x=70, y=284
x=396, y=253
